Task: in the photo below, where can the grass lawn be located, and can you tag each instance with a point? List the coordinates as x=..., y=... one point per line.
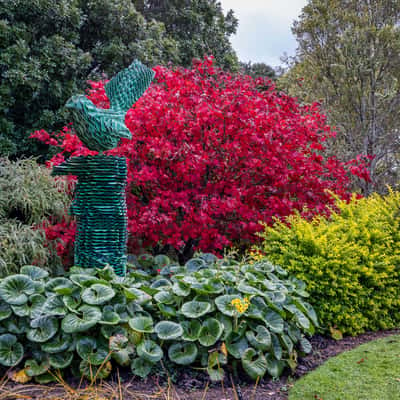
x=369, y=372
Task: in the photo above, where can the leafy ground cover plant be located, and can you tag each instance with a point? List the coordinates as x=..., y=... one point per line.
x=206, y=314
x=349, y=261
x=211, y=155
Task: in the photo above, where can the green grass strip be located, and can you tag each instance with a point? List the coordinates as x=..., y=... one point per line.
x=368, y=372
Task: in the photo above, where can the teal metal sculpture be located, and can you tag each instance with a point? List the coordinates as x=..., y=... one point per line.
x=99, y=200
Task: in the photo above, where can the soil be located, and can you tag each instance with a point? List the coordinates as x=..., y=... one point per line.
x=189, y=385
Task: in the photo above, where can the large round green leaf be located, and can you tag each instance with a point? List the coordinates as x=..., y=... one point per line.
x=260, y=338
x=274, y=367
x=274, y=321
x=35, y=368
x=167, y=330
x=161, y=283
x=87, y=317
x=54, y=305
x=91, y=350
x=150, y=351
x=224, y=304
x=142, y=324
x=183, y=353
x=305, y=345
x=57, y=344
x=97, y=294
x=166, y=310
x=34, y=272
x=110, y=330
x=73, y=301
x=195, y=309
x=195, y=264
x=302, y=320
x=110, y=317
x=95, y=372
x=308, y=310
x=237, y=348
x=276, y=346
x=254, y=363
x=83, y=280
x=16, y=289
x=60, y=285
x=139, y=296
x=165, y=297
x=61, y=360
x=11, y=351
x=43, y=329
x=141, y=367
x=210, y=332
x=32, y=308
x=208, y=287
x=287, y=342
x=5, y=311
x=180, y=289
x=16, y=325
x=162, y=260
x=191, y=330
x=107, y=273
x=247, y=289
x=228, y=327
x=121, y=349
x=214, y=366
x=83, y=271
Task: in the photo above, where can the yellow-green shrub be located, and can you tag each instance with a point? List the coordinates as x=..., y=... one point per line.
x=350, y=262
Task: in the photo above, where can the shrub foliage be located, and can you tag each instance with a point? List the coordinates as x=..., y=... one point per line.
x=48, y=49
x=28, y=195
x=349, y=261
x=211, y=156
x=205, y=314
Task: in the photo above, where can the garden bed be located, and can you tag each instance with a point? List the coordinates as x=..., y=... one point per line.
x=188, y=386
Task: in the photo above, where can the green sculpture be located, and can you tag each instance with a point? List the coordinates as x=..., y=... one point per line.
x=99, y=201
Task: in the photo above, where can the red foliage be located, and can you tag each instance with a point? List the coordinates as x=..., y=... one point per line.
x=211, y=156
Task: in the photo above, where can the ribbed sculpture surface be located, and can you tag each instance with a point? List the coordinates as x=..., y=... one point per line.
x=99, y=201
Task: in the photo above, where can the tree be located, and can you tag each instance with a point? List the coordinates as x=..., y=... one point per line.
x=48, y=49
x=211, y=156
x=257, y=70
x=348, y=58
x=199, y=27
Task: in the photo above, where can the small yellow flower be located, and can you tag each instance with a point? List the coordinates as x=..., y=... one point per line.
x=241, y=305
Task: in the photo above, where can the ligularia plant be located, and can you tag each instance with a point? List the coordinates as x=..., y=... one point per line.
x=205, y=314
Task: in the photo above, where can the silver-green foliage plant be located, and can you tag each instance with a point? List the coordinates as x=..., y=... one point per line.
x=28, y=196
x=28, y=193
x=20, y=245
x=206, y=314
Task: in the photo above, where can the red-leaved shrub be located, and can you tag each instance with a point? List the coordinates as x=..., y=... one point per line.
x=212, y=154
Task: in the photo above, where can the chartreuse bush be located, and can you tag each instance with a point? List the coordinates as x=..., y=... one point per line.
x=205, y=314
x=349, y=261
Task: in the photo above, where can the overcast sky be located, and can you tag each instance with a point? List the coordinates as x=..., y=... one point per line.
x=264, y=31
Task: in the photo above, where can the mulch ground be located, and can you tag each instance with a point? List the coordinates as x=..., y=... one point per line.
x=189, y=386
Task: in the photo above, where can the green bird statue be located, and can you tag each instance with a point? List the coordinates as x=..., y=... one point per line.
x=99, y=200
x=101, y=129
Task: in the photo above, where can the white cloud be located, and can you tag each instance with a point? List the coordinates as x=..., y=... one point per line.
x=264, y=28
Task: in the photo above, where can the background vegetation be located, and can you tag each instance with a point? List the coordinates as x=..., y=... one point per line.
x=49, y=49
x=28, y=197
x=348, y=59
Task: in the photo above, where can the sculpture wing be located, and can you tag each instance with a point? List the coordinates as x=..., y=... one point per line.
x=125, y=88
